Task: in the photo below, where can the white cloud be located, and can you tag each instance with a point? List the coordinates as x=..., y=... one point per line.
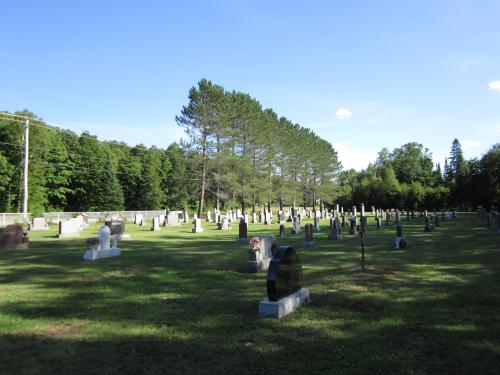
x=494, y=86
x=470, y=144
x=350, y=157
x=343, y=113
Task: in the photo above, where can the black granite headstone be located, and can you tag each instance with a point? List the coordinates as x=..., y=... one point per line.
x=243, y=229
x=308, y=229
x=116, y=226
x=284, y=276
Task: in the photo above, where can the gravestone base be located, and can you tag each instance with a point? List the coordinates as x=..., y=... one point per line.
x=258, y=266
x=68, y=235
x=308, y=244
x=124, y=237
x=285, y=306
x=100, y=254
x=242, y=240
x=197, y=230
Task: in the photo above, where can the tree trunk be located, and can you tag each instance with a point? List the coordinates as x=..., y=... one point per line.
x=203, y=177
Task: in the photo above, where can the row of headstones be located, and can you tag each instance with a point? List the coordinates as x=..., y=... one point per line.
x=489, y=218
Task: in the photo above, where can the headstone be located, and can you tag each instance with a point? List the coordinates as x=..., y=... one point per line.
x=335, y=230
x=398, y=217
x=308, y=241
x=209, y=217
x=317, y=227
x=400, y=242
x=69, y=228
x=161, y=220
x=261, y=217
x=353, y=230
x=117, y=226
x=254, y=218
x=378, y=220
x=243, y=231
x=101, y=248
x=284, y=285
x=260, y=253
x=155, y=227
x=223, y=224
x=296, y=226
x=38, y=223
x=344, y=219
x=282, y=230
x=197, y=226
x=354, y=211
x=13, y=237
x=143, y=221
x=172, y=219
x=267, y=218
x=138, y=218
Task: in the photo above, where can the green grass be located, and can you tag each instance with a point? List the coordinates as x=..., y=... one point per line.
x=180, y=303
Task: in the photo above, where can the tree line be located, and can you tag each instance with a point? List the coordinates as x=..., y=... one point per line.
x=237, y=155
x=407, y=178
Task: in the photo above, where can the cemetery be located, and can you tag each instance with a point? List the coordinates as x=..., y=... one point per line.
x=203, y=303
x=250, y=188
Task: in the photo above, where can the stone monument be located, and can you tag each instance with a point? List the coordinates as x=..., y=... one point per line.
x=261, y=250
x=197, y=226
x=308, y=241
x=284, y=285
x=100, y=247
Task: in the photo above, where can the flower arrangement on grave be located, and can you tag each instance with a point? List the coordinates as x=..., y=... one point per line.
x=254, y=243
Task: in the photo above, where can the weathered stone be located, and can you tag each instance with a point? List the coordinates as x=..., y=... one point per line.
x=38, y=223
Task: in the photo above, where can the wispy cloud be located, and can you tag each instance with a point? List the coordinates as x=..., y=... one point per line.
x=468, y=144
x=494, y=86
x=343, y=113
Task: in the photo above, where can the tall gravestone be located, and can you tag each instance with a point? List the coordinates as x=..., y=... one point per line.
x=282, y=230
x=400, y=243
x=155, y=227
x=284, y=285
x=308, y=232
x=317, y=227
x=138, y=218
x=296, y=225
x=243, y=231
x=197, y=226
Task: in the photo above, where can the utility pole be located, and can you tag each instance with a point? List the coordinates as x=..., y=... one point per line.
x=25, y=175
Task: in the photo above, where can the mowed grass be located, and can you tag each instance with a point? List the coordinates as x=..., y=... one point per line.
x=176, y=302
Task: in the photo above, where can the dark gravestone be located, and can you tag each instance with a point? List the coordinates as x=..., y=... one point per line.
x=282, y=230
x=308, y=229
x=243, y=230
x=285, y=274
x=353, y=229
x=343, y=220
x=116, y=226
x=427, y=227
x=13, y=237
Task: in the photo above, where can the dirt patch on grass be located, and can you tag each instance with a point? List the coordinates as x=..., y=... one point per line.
x=58, y=331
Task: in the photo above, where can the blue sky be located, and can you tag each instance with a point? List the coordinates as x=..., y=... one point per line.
x=362, y=74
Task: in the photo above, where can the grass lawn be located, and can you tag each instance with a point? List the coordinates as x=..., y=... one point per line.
x=176, y=302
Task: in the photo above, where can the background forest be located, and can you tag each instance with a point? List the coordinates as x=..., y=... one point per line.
x=237, y=154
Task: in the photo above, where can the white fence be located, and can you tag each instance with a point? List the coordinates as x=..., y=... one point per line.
x=55, y=217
